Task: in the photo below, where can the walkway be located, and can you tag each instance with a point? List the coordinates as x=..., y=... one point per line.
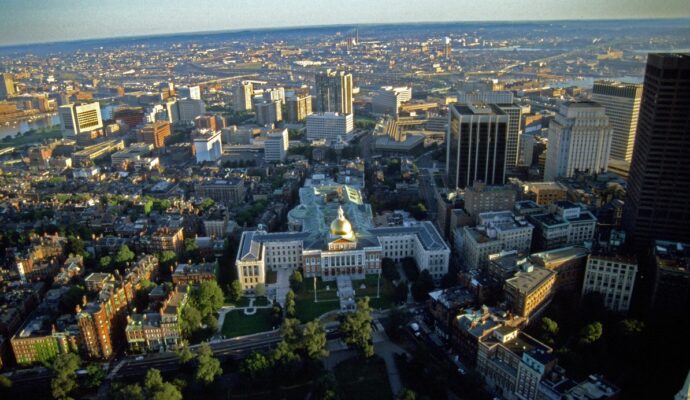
x=282, y=285
x=248, y=310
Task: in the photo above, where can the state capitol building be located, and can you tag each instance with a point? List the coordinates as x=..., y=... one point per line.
x=331, y=233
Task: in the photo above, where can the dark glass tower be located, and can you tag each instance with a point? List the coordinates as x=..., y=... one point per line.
x=476, y=145
x=658, y=195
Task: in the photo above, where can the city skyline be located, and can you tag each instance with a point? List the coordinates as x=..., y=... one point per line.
x=53, y=22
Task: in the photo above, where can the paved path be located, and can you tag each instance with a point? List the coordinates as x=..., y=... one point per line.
x=387, y=350
x=282, y=285
x=249, y=310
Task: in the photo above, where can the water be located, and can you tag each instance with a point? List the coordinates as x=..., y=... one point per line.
x=23, y=126
x=588, y=81
x=43, y=122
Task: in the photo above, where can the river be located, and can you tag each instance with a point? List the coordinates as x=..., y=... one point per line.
x=43, y=122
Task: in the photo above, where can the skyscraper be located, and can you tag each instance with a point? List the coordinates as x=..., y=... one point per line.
x=579, y=140
x=80, y=118
x=298, y=108
x=6, y=86
x=476, y=145
x=622, y=104
x=657, y=206
x=243, y=96
x=333, y=92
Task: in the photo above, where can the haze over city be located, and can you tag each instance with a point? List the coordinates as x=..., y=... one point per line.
x=483, y=200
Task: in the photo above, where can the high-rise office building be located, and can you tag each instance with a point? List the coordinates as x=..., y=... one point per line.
x=268, y=112
x=329, y=126
x=504, y=100
x=80, y=118
x=276, y=145
x=189, y=92
x=155, y=133
x=622, y=104
x=656, y=205
x=6, y=86
x=185, y=110
x=298, y=108
x=389, y=99
x=333, y=92
x=208, y=146
x=476, y=145
x=579, y=140
x=243, y=96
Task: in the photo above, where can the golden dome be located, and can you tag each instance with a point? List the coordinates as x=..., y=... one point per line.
x=341, y=226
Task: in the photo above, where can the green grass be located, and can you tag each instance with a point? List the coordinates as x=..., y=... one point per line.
x=32, y=137
x=243, y=302
x=359, y=379
x=261, y=301
x=307, y=290
x=238, y=324
x=307, y=310
x=386, y=294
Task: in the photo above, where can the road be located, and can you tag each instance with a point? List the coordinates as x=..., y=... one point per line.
x=223, y=349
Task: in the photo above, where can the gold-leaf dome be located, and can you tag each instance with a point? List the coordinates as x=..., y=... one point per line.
x=341, y=226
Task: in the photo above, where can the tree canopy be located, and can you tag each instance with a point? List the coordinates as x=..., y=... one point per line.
x=358, y=329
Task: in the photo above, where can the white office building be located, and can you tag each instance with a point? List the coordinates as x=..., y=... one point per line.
x=189, y=92
x=496, y=231
x=389, y=99
x=613, y=277
x=208, y=145
x=329, y=125
x=186, y=110
x=622, y=104
x=80, y=118
x=276, y=145
x=579, y=140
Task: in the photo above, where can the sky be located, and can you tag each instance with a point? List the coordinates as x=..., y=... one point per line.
x=37, y=21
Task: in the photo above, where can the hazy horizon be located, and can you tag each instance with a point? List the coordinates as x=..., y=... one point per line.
x=54, y=21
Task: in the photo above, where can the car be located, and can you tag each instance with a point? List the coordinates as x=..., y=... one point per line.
x=461, y=371
x=415, y=328
x=139, y=358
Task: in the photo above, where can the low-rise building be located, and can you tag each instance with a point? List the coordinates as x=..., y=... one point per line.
x=496, y=231
x=226, y=191
x=158, y=331
x=481, y=197
x=566, y=224
x=194, y=273
x=569, y=263
x=530, y=290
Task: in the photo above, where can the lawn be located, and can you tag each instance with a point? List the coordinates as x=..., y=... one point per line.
x=307, y=310
x=385, y=301
x=358, y=379
x=243, y=302
x=238, y=324
x=324, y=290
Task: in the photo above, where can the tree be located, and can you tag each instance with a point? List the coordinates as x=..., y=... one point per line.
x=630, y=327
x=400, y=292
x=184, y=353
x=64, y=381
x=549, y=329
x=407, y=394
x=326, y=387
x=157, y=389
x=209, y=298
x=105, y=262
x=167, y=258
x=235, y=293
x=357, y=328
x=95, y=376
x=209, y=366
x=152, y=381
x=410, y=267
x=123, y=255
x=284, y=354
x=388, y=269
x=276, y=314
x=591, y=333
x=255, y=365
x=75, y=246
x=191, y=250
x=290, y=306
x=314, y=340
x=206, y=204
x=190, y=320
x=260, y=289
x=129, y=392
x=449, y=280
x=296, y=281
x=5, y=382
x=290, y=331
x=422, y=286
